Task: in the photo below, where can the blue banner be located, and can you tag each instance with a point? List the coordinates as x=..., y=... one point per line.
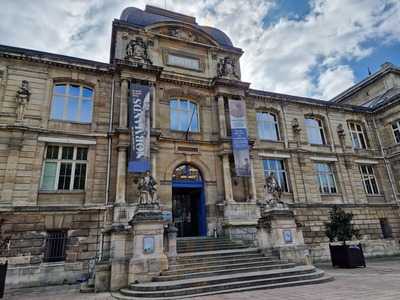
x=240, y=140
x=139, y=125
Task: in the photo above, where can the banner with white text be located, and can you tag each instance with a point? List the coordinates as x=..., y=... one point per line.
x=139, y=125
x=240, y=140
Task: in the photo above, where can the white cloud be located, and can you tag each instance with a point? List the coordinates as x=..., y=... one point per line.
x=305, y=57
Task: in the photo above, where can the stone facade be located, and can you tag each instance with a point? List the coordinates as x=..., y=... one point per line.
x=179, y=59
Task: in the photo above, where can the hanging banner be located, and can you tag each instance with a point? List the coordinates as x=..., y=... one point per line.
x=139, y=125
x=240, y=140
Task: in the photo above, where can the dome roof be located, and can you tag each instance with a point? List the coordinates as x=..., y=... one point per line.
x=153, y=15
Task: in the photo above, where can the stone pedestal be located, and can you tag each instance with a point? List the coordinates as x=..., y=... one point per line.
x=277, y=231
x=148, y=258
x=120, y=238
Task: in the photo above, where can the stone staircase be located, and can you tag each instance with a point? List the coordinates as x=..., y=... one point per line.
x=208, y=266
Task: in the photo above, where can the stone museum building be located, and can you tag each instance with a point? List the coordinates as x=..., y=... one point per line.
x=67, y=188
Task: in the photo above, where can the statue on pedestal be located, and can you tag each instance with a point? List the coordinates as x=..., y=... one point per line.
x=272, y=193
x=22, y=98
x=147, y=190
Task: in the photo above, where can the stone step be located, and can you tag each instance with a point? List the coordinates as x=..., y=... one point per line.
x=259, y=281
x=221, y=261
x=232, y=270
x=227, y=266
x=219, y=253
x=209, y=248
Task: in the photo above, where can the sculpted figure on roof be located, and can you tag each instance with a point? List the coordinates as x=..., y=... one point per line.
x=136, y=51
x=227, y=68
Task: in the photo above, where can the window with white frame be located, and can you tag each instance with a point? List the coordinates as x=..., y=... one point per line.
x=267, y=125
x=64, y=168
x=369, y=180
x=315, y=131
x=396, y=131
x=277, y=167
x=357, y=135
x=325, y=178
x=184, y=115
x=72, y=102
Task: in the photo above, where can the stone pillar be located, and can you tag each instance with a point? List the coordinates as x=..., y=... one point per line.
x=227, y=178
x=277, y=230
x=221, y=117
x=121, y=176
x=253, y=182
x=148, y=258
x=123, y=105
x=119, y=260
x=172, y=253
x=154, y=105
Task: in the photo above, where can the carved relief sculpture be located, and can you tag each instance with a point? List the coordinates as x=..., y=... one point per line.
x=147, y=190
x=182, y=34
x=272, y=193
x=136, y=51
x=22, y=98
x=227, y=68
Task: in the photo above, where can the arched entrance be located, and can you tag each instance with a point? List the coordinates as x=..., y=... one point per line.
x=188, y=201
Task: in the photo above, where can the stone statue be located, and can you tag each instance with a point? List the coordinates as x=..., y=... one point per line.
x=22, y=98
x=136, y=51
x=147, y=190
x=272, y=193
x=226, y=68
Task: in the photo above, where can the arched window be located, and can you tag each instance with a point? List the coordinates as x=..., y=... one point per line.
x=315, y=131
x=186, y=172
x=72, y=102
x=184, y=115
x=267, y=125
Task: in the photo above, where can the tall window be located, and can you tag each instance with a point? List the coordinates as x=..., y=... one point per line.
x=267, y=125
x=369, y=180
x=357, y=135
x=64, y=168
x=315, y=131
x=396, y=131
x=72, y=102
x=55, y=245
x=184, y=115
x=277, y=167
x=325, y=178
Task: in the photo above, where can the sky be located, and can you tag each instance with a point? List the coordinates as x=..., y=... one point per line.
x=314, y=48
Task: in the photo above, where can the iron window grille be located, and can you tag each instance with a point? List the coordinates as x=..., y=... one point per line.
x=64, y=168
x=56, y=242
x=386, y=228
x=357, y=135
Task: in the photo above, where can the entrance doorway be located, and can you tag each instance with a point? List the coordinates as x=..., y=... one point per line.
x=188, y=202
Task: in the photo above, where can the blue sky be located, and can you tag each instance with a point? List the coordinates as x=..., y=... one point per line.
x=314, y=48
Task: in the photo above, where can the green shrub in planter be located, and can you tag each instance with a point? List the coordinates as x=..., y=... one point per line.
x=340, y=229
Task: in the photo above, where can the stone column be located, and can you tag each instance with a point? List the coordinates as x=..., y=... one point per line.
x=121, y=176
x=172, y=232
x=227, y=178
x=153, y=105
x=253, y=182
x=123, y=105
x=221, y=117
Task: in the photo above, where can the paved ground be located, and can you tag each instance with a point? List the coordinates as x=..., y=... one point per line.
x=379, y=281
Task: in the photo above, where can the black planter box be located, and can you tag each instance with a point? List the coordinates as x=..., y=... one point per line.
x=347, y=256
x=3, y=272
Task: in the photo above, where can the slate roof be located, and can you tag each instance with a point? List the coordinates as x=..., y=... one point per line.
x=387, y=97
x=152, y=15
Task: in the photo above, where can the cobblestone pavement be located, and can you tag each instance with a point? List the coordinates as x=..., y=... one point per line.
x=379, y=281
